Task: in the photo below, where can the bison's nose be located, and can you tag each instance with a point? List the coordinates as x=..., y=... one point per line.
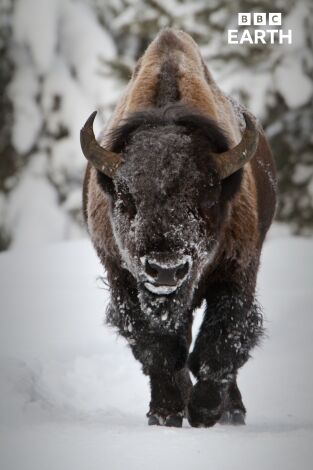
x=166, y=275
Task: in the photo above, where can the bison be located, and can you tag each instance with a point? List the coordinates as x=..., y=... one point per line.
x=178, y=196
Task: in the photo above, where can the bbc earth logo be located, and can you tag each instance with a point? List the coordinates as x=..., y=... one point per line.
x=263, y=28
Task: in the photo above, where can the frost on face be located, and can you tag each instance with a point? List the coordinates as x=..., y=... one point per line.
x=156, y=219
x=160, y=290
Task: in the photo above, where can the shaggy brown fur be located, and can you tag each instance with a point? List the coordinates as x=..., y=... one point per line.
x=171, y=77
x=198, y=89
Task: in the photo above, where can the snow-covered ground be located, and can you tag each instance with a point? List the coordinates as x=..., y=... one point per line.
x=72, y=396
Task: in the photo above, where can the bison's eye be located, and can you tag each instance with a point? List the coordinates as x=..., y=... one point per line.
x=209, y=197
x=126, y=205
x=207, y=204
x=106, y=183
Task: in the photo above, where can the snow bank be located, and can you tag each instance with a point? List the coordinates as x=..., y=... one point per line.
x=72, y=396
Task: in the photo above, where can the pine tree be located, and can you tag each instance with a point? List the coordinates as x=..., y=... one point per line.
x=76, y=56
x=274, y=81
x=8, y=165
x=53, y=86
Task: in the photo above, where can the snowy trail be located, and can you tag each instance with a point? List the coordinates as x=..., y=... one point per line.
x=72, y=396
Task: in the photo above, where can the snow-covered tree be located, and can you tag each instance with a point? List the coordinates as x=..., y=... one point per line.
x=7, y=152
x=55, y=49
x=274, y=81
x=61, y=59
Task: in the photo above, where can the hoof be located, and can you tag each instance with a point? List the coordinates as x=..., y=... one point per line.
x=205, y=405
x=154, y=420
x=235, y=418
x=203, y=418
x=174, y=420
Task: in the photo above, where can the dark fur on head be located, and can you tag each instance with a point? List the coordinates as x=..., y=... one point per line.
x=177, y=114
x=210, y=135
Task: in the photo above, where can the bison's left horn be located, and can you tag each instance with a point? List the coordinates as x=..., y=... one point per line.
x=232, y=160
x=103, y=160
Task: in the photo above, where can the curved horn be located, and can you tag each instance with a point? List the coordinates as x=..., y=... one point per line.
x=232, y=160
x=103, y=160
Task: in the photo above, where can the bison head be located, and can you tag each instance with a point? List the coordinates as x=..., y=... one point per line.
x=169, y=175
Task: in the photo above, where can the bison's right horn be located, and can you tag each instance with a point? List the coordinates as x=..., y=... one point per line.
x=232, y=160
x=103, y=160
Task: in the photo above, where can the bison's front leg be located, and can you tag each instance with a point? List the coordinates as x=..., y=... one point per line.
x=163, y=358
x=231, y=327
x=234, y=411
x=161, y=349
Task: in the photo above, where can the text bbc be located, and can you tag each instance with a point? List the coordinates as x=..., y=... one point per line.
x=259, y=19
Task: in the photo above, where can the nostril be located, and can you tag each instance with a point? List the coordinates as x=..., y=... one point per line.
x=165, y=273
x=150, y=270
x=182, y=271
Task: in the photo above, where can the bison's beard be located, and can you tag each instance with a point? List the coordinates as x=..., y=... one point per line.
x=167, y=312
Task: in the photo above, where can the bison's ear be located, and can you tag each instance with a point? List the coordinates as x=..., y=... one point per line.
x=103, y=160
x=232, y=160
